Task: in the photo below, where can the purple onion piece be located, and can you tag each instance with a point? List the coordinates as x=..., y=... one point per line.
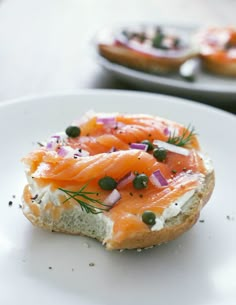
x=128, y=178
x=158, y=179
x=109, y=121
x=112, y=198
x=140, y=146
x=51, y=145
x=57, y=137
x=62, y=151
x=166, y=131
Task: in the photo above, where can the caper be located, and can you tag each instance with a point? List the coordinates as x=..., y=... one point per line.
x=107, y=183
x=73, y=131
x=160, y=153
x=140, y=181
x=149, y=218
x=149, y=144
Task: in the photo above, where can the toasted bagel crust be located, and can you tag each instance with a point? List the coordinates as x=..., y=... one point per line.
x=218, y=67
x=99, y=228
x=139, y=61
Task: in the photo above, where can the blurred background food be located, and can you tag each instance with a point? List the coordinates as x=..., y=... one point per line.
x=46, y=46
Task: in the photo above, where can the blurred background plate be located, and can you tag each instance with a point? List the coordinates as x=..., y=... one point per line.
x=211, y=89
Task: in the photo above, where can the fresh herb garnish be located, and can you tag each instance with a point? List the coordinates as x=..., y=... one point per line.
x=157, y=41
x=85, y=200
x=183, y=139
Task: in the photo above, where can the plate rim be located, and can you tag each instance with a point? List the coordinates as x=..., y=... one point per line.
x=163, y=80
x=97, y=91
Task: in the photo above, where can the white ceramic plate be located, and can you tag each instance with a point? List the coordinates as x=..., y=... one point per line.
x=215, y=90
x=197, y=268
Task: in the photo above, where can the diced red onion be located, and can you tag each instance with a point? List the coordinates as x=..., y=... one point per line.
x=66, y=151
x=125, y=180
x=140, y=146
x=158, y=179
x=62, y=151
x=108, y=121
x=112, y=198
x=49, y=145
x=176, y=149
x=166, y=131
x=56, y=136
x=69, y=152
x=52, y=145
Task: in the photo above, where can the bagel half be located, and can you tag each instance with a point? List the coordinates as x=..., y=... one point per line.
x=46, y=206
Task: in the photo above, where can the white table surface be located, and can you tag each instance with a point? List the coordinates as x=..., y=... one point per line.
x=45, y=45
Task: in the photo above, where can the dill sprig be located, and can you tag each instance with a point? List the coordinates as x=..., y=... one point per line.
x=183, y=139
x=85, y=200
